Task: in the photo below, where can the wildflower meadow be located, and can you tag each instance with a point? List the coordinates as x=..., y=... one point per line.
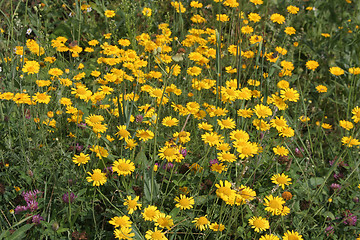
x=179, y=119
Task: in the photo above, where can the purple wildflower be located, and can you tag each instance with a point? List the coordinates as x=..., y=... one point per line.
x=213, y=161
x=66, y=198
x=183, y=152
x=20, y=209
x=32, y=205
x=30, y=195
x=168, y=166
x=336, y=187
x=37, y=218
x=350, y=219
x=329, y=230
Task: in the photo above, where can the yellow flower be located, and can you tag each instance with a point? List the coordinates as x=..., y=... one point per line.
x=222, y=17
x=321, y=89
x=262, y=111
x=194, y=71
x=184, y=202
x=109, y=13
x=312, y=65
x=155, y=235
x=290, y=30
x=144, y=135
x=290, y=94
x=277, y=18
x=97, y=177
x=274, y=205
x=259, y=224
x=41, y=98
x=281, y=151
x=170, y=153
x=336, y=71
x=292, y=236
x=278, y=123
x=170, y=121
x=354, y=70
x=217, y=227
x=211, y=138
x=224, y=190
x=31, y=67
x=150, y=213
x=164, y=221
x=269, y=237
x=228, y=123
x=356, y=114
x=132, y=204
x=218, y=167
x=254, y=17
x=81, y=159
x=124, y=233
x=123, y=167
x=201, y=223
x=287, y=132
x=226, y=157
x=346, y=124
x=292, y=9
x=257, y=2
x=350, y=141
x=56, y=72
x=146, y=12
x=178, y=7
x=196, y=4
x=122, y=133
x=281, y=180
x=122, y=222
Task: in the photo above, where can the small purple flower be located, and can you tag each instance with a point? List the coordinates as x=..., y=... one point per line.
x=168, y=166
x=66, y=198
x=139, y=118
x=32, y=205
x=79, y=147
x=30, y=195
x=37, y=218
x=350, y=219
x=20, y=209
x=213, y=161
x=337, y=176
x=183, y=152
x=336, y=187
x=329, y=230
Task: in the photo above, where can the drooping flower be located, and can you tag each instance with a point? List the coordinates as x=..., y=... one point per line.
x=201, y=223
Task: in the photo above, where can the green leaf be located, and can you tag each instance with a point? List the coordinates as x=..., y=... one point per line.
x=315, y=181
x=329, y=214
x=20, y=233
x=150, y=187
